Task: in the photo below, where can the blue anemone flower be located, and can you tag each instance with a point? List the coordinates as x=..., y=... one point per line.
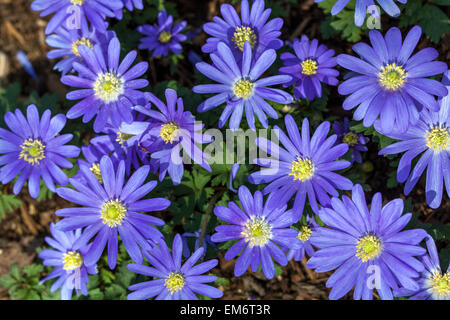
x=240, y=87
x=260, y=229
x=70, y=265
x=368, y=249
x=110, y=208
x=34, y=149
x=173, y=280
x=305, y=167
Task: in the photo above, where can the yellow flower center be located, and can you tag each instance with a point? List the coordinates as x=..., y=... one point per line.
x=304, y=234
x=174, y=282
x=82, y=41
x=351, y=139
x=33, y=151
x=123, y=137
x=309, y=67
x=257, y=232
x=72, y=260
x=392, y=77
x=243, y=88
x=169, y=131
x=108, y=87
x=242, y=34
x=112, y=213
x=302, y=169
x=95, y=169
x=438, y=138
x=77, y=2
x=440, y=284
x=368, y=247
x=165, y=37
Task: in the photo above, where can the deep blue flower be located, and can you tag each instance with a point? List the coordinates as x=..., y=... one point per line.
x=34, y=149
x=367, y=248
x=70, y=267
x=361, y=7
x=433, y=283
x=304, y=236
x=240, y=87
x=112, y=207
x=171, y=131
x=174, y=280
x=259, y=229
x=389, y=83
x=430, y=137
x=356, y=141
x=109, y=89
x=252, y=26
x=304, y=167
x=66, y=42
x=206, y=242
x=309, y=67
x=163, y=36
x=75, y=12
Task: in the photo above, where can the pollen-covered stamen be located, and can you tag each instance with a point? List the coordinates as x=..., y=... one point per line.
x=257, y=232
x=109, y=86
x=123, y=137
x=302, y=169
x=351, y=139
x=95, y=169
x=438, y=138
x=243, y=88
x=309, y=67
x=174, y=282
x=169, y=131
x=33, y=151
x=392, y=77
x=112, y=213
x=304, y=234
x=440, y=285
x=79, y=42
x=242, y=34
x=368, y=248
x=72, y=260
x=165, y=37
x=77, y=2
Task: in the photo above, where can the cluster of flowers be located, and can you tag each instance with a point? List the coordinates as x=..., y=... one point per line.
x=388, y=85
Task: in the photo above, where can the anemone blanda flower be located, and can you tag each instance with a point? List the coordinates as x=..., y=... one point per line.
x=66, y=42
x=112, y=207
x=171, y=131
x=259, y=228
x=359, y=243
x=252, y=26
x=356, y=141
x=75, y=12
x=309, y=67
x=305, y=167
x=388, y=82
x=70, y=267
x=361, y=7
x=163, y=36
x=174, y=280
x=240, y=87
x=34, y=149
x=130, y=5
x=304, y=236
x=109, y=89
x=434, y=284
x=430, y=138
